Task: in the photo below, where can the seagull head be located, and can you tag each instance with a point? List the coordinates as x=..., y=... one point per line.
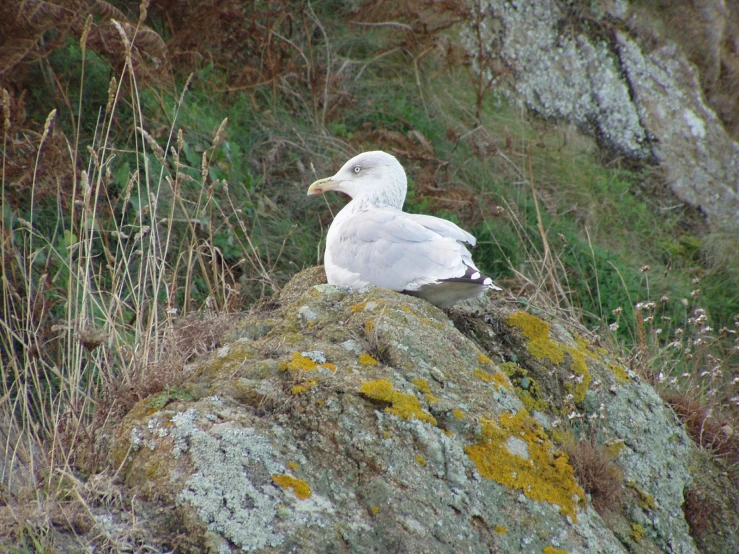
x=376, y=176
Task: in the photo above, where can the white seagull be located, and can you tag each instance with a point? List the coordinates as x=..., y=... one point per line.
x=373, y=242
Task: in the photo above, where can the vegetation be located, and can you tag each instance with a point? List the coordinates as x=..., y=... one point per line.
x=154, y=167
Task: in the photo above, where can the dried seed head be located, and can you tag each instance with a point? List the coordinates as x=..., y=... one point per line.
x=219, y=133
x=47, y=124
x=112, y=87
x=143, y=9
x=158, y=152
x=123, y=35
x=6, y=111
x=86, y=33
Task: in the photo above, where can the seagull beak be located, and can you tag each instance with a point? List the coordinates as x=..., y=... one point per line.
x=322, y=185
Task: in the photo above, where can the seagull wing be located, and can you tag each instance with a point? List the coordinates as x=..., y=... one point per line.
x=391, y=249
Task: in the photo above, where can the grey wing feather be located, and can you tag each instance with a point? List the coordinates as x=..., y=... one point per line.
x=443, y=227
x=389, y=249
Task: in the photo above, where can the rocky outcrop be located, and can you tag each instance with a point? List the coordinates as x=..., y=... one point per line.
x=589, y=67
x=369, y=421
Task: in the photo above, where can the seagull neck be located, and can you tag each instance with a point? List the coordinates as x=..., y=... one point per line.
x=367, y=201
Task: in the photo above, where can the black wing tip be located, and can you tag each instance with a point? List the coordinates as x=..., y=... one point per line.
x=474, y=276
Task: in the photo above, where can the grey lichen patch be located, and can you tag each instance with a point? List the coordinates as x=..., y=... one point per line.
x=655, y=446
x=231, y=489
x=306, y=313
x=562, y=76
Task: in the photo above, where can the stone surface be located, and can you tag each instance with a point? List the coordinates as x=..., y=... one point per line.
x=644, y=104
x=382, y=424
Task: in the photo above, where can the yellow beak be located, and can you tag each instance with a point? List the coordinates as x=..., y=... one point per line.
x=322, y=185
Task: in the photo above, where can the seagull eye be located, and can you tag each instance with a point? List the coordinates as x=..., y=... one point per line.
x=357, y=169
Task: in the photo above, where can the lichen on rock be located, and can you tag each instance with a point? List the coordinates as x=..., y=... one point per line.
x=540, y=473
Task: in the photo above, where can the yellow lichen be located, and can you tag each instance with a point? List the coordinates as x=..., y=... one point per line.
x=541, y=476
x=293, y=466
x=374, y=510
x=303, y=387
x=483, y=359
x=620, y=373
x=421, y=384
x=381, y=390
x=540, y=346
x=405, y=406
x=637, y=532
x=298, y=362
x=579, y=387
x=561, y=438
x=458, y=414
x=368, y=326
x=614, y=447
x=299, y=487
x=552, y=550
x=500, y=530
x=499, y=379
x=526, y=388
x=585, y=347
x=359, y=307
x=430, y=399
x=420, y=460
x=366, y=359
x=645, y=500
x=510, y=368
x=487, y=377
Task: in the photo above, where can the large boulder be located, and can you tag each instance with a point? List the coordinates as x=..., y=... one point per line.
x=370, y=421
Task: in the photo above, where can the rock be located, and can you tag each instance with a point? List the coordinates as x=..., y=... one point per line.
x=644, y=104
x=382, y=425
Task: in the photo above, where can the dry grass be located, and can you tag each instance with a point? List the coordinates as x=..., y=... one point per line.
x=101, y=313
x=711, y=426
x=700, y=511
x=597, y=473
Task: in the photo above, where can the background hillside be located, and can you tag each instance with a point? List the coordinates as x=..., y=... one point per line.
x=155, y=162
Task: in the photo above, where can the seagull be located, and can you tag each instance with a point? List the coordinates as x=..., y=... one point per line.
x=372, y=241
